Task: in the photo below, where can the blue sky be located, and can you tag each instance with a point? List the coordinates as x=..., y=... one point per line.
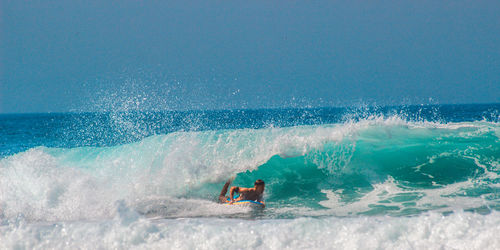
x=101, y=55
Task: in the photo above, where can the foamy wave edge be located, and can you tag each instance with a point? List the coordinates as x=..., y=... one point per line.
x=460, y=230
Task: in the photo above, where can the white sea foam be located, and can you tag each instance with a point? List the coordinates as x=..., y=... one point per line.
x=389, y=194
x=460, y=230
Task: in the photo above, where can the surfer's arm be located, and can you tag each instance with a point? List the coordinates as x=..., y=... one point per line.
x=260, y=199
x=231, y=192
x=237, y=190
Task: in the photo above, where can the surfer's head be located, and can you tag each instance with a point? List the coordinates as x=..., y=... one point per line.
x=259, y=185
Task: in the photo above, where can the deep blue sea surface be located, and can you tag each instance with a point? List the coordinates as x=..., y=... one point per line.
x=365, y=177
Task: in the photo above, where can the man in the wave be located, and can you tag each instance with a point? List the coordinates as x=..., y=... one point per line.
x=254, y=194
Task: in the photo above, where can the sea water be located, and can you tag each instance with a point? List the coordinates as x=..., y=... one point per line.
x=406, y=177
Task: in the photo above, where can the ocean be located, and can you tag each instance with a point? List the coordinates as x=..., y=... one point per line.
x=394, y=177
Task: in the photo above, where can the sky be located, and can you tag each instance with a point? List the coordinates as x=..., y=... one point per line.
x=60, y=56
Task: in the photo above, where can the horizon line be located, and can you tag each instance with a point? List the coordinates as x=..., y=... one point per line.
x=245, y=109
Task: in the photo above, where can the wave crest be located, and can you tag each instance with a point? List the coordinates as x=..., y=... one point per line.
x=298, y=163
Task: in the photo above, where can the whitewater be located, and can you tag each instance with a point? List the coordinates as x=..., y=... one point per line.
x=418, y=177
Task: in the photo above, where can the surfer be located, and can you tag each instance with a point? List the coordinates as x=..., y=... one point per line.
x=254, y=194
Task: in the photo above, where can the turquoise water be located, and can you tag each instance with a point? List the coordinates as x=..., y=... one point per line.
x=323, y=168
